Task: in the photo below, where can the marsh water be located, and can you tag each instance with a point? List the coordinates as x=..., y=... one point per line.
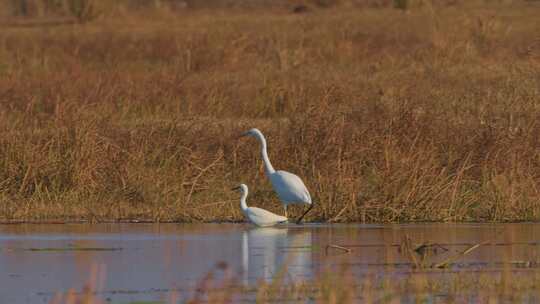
x=145, y=262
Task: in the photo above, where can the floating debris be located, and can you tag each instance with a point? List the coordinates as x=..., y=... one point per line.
x=446, y=263
x=525, y=264
x=428, y=250
x=61, y=249
x=330, y=246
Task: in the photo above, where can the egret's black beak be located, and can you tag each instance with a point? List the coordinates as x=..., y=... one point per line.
x=236, y=188
x=306, y=212
x=243, y=134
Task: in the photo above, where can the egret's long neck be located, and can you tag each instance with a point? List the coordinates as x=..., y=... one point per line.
x=267, y=165
x=243, y=203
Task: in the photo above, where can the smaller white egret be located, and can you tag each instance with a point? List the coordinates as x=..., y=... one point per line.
x=258, y=216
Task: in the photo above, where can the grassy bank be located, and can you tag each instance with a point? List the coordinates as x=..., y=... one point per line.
x=432, y=113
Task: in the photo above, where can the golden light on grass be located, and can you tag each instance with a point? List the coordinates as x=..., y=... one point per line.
x=388, y=116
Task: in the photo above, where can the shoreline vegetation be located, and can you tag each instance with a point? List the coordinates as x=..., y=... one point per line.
x=389, y=113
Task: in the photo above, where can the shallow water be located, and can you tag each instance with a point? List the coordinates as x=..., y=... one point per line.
x=135, y=262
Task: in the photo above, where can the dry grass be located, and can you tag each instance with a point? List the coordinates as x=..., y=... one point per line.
x=432, y=114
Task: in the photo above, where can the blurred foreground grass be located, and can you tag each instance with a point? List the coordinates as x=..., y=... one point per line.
x=329, y=287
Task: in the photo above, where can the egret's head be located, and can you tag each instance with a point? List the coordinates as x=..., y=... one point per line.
x=242, y=188
x=252, y=132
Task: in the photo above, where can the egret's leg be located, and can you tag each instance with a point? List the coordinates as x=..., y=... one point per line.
x=302, y=216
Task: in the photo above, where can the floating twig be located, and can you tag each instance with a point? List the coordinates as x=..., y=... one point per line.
x=454, y=258
x=347, y=250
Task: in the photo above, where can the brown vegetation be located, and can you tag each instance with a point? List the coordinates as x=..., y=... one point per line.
x=429, y=114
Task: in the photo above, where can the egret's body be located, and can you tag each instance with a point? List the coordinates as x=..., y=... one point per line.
x=258, y=216
x=289, y=187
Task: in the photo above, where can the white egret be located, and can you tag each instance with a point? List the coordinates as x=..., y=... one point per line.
x=258, y=216
x=289, y=187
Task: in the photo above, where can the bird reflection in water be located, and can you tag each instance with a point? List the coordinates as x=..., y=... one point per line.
x=266, y=251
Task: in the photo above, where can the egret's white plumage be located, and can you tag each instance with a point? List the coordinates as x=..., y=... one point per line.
x=289, y=187
x=258, y=216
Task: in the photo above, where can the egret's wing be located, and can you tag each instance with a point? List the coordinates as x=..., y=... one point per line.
x=290, y=188
x=263, y=217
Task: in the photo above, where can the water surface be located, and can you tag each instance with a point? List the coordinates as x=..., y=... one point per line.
x=134, y=262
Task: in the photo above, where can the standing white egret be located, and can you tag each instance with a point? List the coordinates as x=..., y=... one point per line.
x=258, y=216
x=289, y=187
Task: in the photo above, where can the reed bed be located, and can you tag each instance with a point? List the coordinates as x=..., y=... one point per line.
x=429, y=113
